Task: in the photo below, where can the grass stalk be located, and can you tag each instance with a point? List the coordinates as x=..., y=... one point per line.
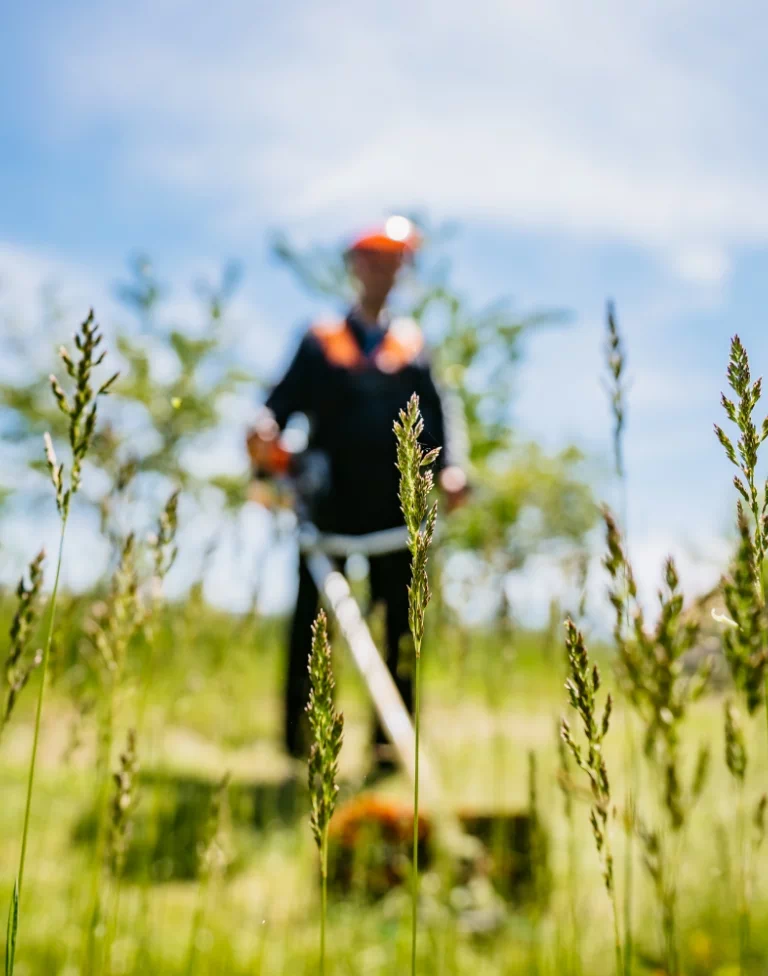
x=736, y=762
x=415, y=875
x=39, y=712
x=416, y=483
x=323, y=897
x=744, y=913
x=212, y=862
x=574, y=873
x=629, y=849
x=111, y=636
x=616, y=363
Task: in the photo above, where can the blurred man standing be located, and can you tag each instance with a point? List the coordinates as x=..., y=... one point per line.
x=351, y=378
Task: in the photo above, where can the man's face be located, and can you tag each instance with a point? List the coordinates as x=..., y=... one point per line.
x=376, y=271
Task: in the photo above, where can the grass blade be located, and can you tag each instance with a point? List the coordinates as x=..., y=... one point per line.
x=13, y=927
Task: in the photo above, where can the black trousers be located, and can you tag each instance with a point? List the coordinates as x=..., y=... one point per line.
x=389, y=579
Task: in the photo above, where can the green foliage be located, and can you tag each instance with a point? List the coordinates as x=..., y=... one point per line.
x=529, y=499
x=173, y=409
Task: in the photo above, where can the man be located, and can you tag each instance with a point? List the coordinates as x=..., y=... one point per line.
x=351, y=378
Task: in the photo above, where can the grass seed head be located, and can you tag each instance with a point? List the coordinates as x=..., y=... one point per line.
x=124, y=802
x=564, y=770
x=744, y=454
x=120, y=614
x=163, y=551
x=327, y=726
x=616, y=362
x=583, y=685
x=650, y=667
x=735, y=743
x=79, y=409
x=745, y=645
x=416, y=483
x=701, y=772
x=19, y=663
x=163, y=542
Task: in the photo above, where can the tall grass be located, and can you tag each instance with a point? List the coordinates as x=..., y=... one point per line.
x=20, y=664
x=583, y=686
x=617, y=393
x=111, y=633
x=650, y=668
x=416, y=484
x=122, y=808
x=572, y=962
x=80, y=413
x=745, y=637
x=212, y=862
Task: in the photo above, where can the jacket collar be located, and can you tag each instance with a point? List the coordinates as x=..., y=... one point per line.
x=368, y=337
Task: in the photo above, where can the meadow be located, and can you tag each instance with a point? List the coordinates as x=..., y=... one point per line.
x=165, y=832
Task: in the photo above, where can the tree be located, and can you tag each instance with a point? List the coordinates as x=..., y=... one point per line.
x=159, y=415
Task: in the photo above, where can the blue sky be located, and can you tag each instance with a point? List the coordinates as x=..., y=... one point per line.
x=586, y=150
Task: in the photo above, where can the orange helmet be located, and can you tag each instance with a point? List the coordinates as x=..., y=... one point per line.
x=396, y=235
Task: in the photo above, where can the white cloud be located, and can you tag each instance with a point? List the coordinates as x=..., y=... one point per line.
x=612, y=121
x=700, y=566
x=703, y=265
x=37, y=286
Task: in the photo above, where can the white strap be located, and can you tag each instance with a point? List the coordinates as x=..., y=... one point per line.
x=372, y=544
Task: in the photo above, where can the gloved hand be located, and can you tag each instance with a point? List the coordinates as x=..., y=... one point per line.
x=267, y=455
x=269, y=462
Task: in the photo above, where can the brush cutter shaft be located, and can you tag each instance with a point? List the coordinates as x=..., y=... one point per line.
x=337, y=596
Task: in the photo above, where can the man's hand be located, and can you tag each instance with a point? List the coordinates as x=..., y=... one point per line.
x=453, y=482
x=261, y=439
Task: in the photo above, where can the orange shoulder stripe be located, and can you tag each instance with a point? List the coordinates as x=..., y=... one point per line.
x=402, y=344
x=338, y=343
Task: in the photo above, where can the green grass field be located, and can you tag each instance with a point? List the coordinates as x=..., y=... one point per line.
x=214, y=705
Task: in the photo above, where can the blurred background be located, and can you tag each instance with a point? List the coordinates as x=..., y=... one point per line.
x=561, y=156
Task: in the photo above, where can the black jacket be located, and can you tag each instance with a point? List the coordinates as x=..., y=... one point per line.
x=352, y=394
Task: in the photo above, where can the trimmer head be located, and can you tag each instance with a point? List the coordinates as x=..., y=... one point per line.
x=372, y=839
